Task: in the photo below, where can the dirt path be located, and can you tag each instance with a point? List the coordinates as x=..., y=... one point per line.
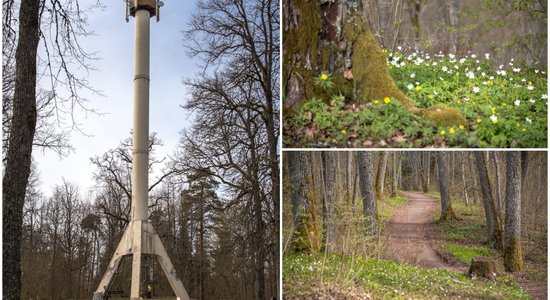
x=408, y=233
x=409, y=240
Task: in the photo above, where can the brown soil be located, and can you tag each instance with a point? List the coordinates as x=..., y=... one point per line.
x=409, y=238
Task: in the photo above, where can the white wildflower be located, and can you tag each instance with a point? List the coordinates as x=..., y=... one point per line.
x=528, y=120
x=476, y=89
x=410, y=86
x=532, y=101
x=493, y=118
x=530, y=87
x=413, y=75
x=517, y=103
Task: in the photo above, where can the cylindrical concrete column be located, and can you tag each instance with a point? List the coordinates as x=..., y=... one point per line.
x=140, y=151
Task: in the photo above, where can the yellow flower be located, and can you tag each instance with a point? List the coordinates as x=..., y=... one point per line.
x=432, y=96
x=504, y=104
x=529, y=83
x=495, y=121
x=452, y=130
x=493, y=110
x=461, y=127
x=443, y=132
x=523, y=129
x=478, y=121
x=489, y=82
x=387, y=100
x=418, y=88
x=324, y=76
x=376, y=101
x=344, y=131
x=517, y=124
x=391, y=67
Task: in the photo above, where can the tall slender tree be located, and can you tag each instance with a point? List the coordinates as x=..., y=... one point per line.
x=18, y=158
x=381, y=175
x=365, y=169
x=447, y=212
x=494, y=228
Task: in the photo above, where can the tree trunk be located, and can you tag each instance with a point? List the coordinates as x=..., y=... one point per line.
x=306, y=234
x=464, y=187
x=425, y=175
x=447, y=213
x=330, y=185
x=475, y=188
x=333, y=37
x=395, y=177
x=365, y=167
x=453, y=33
x=513, y=259
x=19, y=153
x=494, y=229
x=381, y=175
x=497, y=185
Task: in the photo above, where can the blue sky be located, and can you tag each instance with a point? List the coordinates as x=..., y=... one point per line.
x=113, y=40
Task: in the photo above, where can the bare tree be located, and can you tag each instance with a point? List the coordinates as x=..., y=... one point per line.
x=66, y=23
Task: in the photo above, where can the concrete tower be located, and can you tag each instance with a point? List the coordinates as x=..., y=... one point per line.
x=140, y=238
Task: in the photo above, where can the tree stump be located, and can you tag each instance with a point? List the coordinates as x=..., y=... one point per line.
x=483, y=267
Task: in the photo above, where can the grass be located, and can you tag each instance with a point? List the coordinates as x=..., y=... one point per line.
x=306, y=278
x=465, y=253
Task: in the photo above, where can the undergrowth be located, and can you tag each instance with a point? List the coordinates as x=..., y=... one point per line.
x=312, y=276
x=503, y=106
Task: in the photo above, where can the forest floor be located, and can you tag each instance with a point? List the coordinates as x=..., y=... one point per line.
x=375, y=275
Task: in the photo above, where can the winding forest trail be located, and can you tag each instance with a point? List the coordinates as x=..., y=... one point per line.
x=409, y=240
x=408, y=235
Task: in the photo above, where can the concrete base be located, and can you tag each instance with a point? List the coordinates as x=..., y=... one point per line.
x=140, y=238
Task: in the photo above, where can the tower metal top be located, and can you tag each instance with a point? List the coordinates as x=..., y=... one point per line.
x=153, y=6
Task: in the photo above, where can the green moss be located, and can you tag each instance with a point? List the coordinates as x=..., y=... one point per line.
x=513, y=258
x=301, y=43
x=371, y=77
x=444, y=116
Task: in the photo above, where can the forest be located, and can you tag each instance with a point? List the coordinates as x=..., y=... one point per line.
x=213, y=199
x=393, y=224
x=415, y=74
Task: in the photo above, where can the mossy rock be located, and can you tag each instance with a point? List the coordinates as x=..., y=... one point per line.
x=444, y=116
x=482, y=266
